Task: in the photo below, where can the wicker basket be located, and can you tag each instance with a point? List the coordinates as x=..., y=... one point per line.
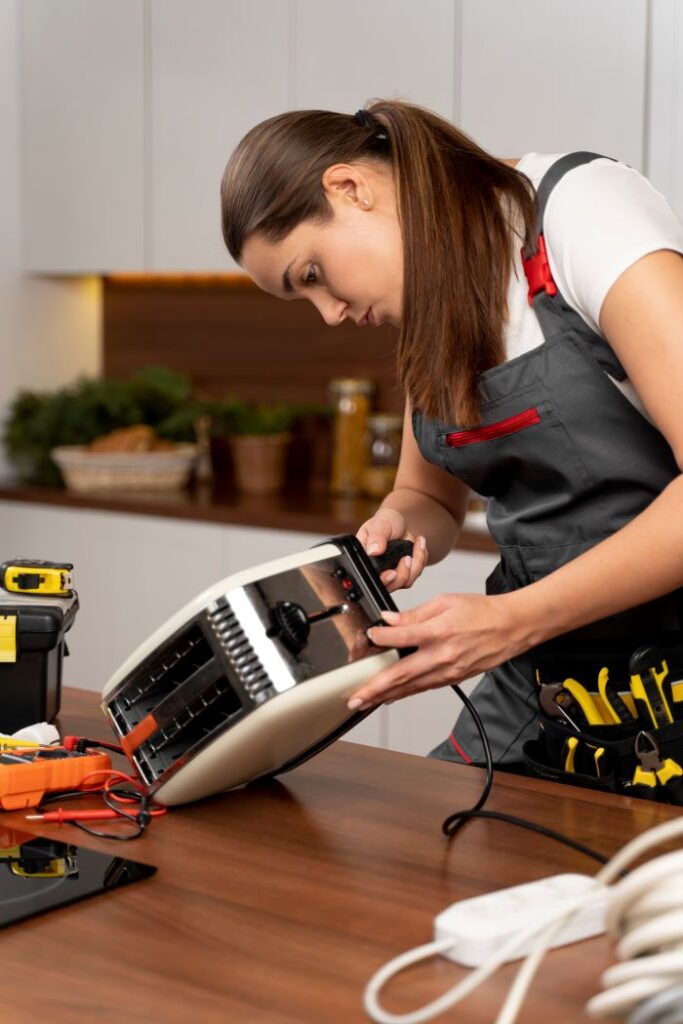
x=163, y=470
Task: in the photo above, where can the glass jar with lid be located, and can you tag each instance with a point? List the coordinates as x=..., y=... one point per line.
x=384, y=448
x=351, y=399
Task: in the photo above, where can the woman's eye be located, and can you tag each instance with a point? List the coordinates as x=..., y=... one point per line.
x=311, y=277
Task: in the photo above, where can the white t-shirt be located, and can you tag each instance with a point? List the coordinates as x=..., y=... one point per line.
x=600, y=218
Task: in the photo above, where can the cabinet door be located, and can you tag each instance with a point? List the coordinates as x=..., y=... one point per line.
x=346, y=55
x=548, y=76
x=131, y=572
x=83, y=89
x=665, y=102
x=216, y=69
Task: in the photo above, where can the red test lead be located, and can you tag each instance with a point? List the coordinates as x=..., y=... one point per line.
x=62, y=815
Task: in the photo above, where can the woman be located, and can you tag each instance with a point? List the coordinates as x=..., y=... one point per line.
x=564, y=413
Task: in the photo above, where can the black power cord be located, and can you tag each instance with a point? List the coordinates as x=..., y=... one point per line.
x=454, y=822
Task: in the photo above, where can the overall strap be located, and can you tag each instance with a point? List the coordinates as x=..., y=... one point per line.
x=552, y=311
x=554, y=174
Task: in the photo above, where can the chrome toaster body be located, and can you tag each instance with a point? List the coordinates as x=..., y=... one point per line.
x=251, y=677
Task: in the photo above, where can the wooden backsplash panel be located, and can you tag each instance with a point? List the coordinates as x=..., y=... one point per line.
x=231, y=338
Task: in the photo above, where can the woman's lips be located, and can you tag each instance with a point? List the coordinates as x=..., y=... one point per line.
x=369, y=318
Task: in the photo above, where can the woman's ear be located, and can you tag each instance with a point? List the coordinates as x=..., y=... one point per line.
x=347, y=183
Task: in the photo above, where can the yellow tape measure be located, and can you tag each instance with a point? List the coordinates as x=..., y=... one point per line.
x=45, y=579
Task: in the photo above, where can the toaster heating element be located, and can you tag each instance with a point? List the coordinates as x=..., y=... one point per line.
x=252, y=677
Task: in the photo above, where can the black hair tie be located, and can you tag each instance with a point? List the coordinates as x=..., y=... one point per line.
x=364, y=119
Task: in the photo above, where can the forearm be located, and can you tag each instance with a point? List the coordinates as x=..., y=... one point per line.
x=640, y=562
x=427, y=516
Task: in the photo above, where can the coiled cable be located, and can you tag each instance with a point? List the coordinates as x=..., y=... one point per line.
x=644, y=915
x=645, y=919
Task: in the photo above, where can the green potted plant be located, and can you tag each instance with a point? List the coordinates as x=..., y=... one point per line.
x=259, y=438
x=79, y=413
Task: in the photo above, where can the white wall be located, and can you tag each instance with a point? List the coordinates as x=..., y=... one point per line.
x=49, y=328
x=664, y=136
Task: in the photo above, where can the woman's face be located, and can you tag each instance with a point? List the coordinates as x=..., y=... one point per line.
x=351, y=267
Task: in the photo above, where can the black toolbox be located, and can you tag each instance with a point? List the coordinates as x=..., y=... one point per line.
x=32, y=649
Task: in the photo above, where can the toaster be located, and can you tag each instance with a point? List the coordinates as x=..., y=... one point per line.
x=251, y=678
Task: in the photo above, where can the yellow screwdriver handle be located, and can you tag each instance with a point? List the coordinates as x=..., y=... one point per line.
x=570, y=747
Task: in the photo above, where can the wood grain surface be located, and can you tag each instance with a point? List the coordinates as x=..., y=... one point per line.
x=231, y=338
x=275, y=904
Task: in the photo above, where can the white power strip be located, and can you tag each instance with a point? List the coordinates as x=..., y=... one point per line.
x=643, y=913
x=480, y=926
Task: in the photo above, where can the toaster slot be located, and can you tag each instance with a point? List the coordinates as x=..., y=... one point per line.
x=180, y=658
x=207, y=713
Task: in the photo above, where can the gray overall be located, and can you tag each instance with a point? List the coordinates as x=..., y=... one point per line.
x=564, y=460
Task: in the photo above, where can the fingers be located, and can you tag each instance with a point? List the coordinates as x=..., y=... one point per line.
x=388, y=577
x=410, y=675
x=420, y=613
x=387, y=524
x=408, y=569
x=360, y=646
x=413, y=634
x=412, y=566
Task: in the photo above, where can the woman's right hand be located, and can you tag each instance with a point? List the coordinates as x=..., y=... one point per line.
x=389, y=524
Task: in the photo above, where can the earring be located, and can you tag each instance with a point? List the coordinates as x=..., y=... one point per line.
x=366, y=202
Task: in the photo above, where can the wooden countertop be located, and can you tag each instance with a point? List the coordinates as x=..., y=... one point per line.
x=307, y=512
x=274, y=904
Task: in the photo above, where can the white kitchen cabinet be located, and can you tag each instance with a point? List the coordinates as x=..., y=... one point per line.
x=215, y=70
x=344, y=56
x=82, y=84
x=546, y=76
x=665, y=102
x=132, y=573
x=131, y=108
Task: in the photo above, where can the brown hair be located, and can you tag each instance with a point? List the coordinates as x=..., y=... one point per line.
x=459, y=209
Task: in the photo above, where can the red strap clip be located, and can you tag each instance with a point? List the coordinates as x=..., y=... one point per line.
x=537, y=270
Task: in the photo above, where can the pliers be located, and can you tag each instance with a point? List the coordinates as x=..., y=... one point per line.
x=561, y=704
x=652, y=770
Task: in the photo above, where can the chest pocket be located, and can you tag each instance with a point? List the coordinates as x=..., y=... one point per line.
x=521, y=452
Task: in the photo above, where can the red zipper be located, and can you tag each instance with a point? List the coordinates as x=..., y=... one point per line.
x=509, y=426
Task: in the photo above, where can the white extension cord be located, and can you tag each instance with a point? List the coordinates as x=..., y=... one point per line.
x=644, y=915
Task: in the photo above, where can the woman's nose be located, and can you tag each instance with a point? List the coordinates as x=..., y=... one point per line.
x=333, y=311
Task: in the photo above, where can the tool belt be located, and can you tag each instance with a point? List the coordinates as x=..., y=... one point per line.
x=614, y=724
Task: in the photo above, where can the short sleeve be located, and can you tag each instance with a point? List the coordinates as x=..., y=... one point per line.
x=600, y=219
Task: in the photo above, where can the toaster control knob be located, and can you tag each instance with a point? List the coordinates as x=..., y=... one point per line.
x=290, y=623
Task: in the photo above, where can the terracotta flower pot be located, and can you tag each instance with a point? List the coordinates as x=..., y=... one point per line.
x=259, y=461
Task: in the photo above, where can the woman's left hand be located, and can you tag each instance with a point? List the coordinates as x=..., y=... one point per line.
x=456, y=636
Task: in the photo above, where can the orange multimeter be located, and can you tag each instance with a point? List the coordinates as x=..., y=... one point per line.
x=27, y=774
